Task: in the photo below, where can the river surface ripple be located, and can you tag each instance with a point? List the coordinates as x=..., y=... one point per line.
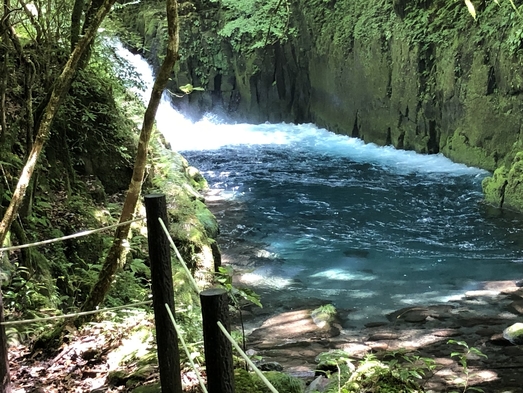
x=369, y=228
x=329, y=218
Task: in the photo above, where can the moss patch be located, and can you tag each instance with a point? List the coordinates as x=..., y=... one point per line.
x=246, y=382
x=505, y=187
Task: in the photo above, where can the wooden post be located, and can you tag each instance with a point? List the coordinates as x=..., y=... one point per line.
x=163, y=293
x=217, y=348
x=5, y=378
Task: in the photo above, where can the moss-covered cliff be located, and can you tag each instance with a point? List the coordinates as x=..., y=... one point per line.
x=420, y=75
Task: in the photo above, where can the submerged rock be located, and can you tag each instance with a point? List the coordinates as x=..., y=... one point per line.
x=357, y=253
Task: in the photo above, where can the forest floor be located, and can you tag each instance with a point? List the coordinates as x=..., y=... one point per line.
x=101, y=357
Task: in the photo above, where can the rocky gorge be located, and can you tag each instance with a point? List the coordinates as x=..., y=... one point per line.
x=421, y=75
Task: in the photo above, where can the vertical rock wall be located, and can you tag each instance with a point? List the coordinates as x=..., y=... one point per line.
x=419, y=75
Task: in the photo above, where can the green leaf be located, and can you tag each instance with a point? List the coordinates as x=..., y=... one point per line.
x=477, y=352
x=187, y=89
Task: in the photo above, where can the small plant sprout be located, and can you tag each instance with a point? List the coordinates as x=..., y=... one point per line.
x=462, y=357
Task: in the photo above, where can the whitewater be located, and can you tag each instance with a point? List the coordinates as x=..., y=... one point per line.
x=368, y=228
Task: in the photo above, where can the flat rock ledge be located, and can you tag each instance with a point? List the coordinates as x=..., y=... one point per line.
x=292, y=338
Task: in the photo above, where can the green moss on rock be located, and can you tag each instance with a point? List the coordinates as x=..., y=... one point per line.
x=324, y=315
x=505, y=187
x=460, y=149
x=154, y=388
x=246, y=382
x=494, y=187
x=514, y=333
x=513, y=196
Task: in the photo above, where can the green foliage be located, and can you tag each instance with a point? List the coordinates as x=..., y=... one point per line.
x=462, y=356
x=248, y=382
x=324, y=314
x=188, y=88
x=26, y=293
x=396, y=372
x=224, y=278
x=252, y=24
x=91, y=119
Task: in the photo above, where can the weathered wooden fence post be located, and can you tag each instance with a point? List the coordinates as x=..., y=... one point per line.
x=5, y=378
x=218, y=349
x=163, y=293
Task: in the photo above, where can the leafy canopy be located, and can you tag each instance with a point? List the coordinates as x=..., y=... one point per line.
x=253, y=24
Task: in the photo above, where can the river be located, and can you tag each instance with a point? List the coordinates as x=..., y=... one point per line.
x=368, y=228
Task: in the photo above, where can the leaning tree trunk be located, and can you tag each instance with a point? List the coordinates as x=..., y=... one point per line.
x=115, y=257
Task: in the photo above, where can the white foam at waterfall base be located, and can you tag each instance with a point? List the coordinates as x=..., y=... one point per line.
x=211, y=133
x=306, y=197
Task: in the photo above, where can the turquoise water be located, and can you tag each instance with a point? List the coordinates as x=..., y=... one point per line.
x=368, y=228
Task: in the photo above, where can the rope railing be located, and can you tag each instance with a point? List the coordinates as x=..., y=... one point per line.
x=75, y=235
x=170, y=314
x=179, y=257
x=249, y=361
x=220, y=325
x=65, y=316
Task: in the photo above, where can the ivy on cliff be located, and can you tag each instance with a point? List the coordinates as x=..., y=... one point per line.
x=252, y=24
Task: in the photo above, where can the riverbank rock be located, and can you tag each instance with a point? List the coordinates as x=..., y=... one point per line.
x=477, y=318
x=291, y=328
x=420, y=314
x=514, y=334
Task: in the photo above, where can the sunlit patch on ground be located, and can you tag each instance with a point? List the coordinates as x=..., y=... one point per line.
x=87, y=357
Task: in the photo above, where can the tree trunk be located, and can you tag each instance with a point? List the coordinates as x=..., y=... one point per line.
x=114, y=258
x=76, y=21
x=4, y=59
x=5, y=378
x=60, y=89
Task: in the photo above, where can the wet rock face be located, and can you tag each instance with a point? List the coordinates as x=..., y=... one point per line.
x=357, y=69
x=505, y=188
x=369, y=70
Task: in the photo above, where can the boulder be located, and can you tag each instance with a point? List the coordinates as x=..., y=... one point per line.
x=516, y=307
x=318, y=385
x=514, y=333
x=270, y=366
x=410, y=314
